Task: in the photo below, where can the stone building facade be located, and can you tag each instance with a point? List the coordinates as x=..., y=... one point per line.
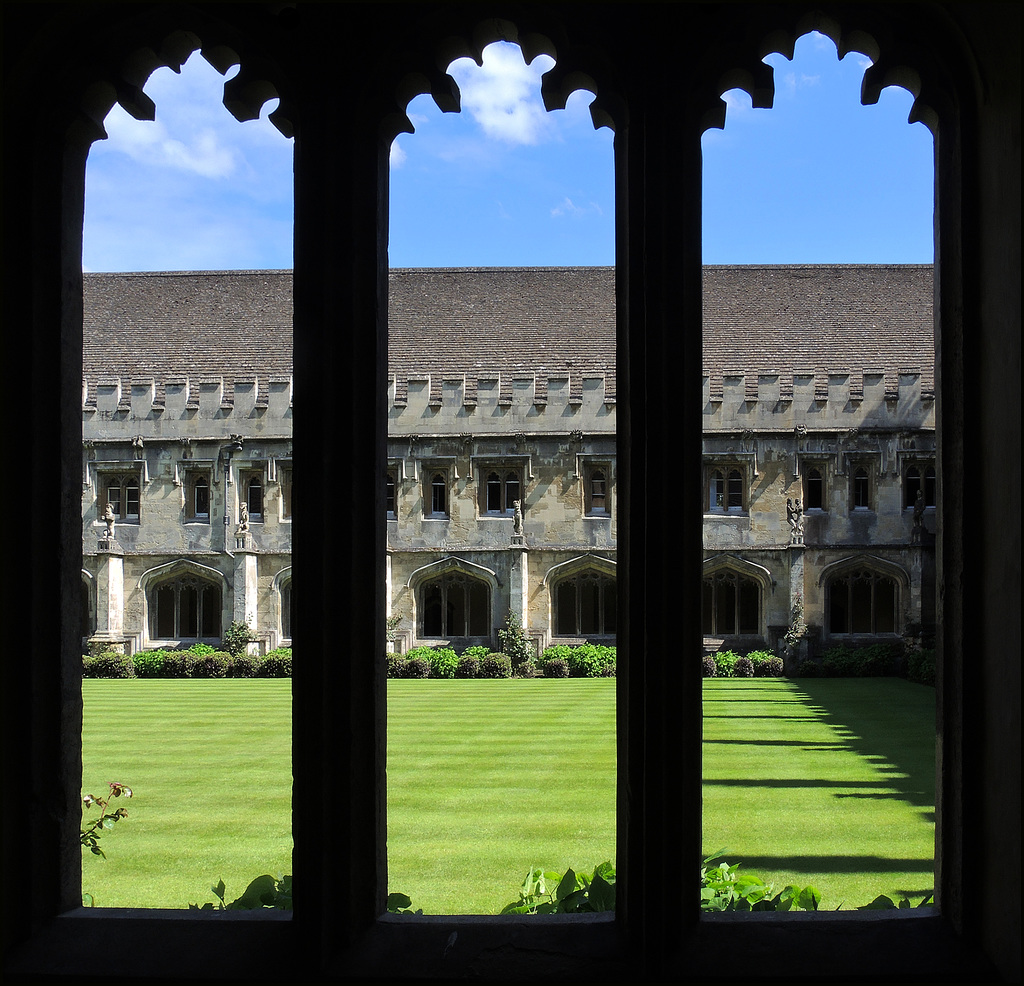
x=818, y=473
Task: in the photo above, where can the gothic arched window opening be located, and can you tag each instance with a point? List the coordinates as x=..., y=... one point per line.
x=862, y=601
x=731, y=605
x=186, y=607
x=455, y=605
x=585, y=605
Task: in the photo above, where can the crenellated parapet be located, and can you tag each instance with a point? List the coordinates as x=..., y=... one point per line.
x=500, y=402
x=819, y=397
x=194, y=406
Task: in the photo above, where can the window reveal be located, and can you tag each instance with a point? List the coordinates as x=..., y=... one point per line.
x=185, y=607
x=596, y=491
x=731, y=604
x=123, y=497
x=439, y=495
x=585, y=604
x=501, y=490
x=916, y=481
x=862, y=602
x=814, y=490
x=861, y=489
x=254, y=497
x=726, y=491
x=455, y=605
x=390, y=488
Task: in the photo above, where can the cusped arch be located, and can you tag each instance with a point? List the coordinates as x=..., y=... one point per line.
x=606, y=566
x=880, y=566
x=452, y=564
x=740, y=566
x=575, y=69
x=892, y=64
x=257, y=81
x=181, y=566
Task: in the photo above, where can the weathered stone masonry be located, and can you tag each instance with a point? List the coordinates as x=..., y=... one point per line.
x=819, y=428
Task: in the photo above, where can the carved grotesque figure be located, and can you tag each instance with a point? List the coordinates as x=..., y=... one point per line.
x=517, y=517
x=108, y=518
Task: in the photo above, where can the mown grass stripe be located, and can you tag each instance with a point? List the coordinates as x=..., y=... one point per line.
x=827, y=782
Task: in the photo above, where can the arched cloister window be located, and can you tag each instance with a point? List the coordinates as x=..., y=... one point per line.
x=862, y=601
x=814, y=490
x=184, y=607
x=585, y=603
x=731, y=604
x=254, y=497
x=454, y=604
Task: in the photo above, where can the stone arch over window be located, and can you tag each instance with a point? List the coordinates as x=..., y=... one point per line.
x=864, y=596
x=453, y=598
x=583, y=597
x=88, y=604
x=732, y=597
x=968, y=78
x=184, y=601
x=282, y=593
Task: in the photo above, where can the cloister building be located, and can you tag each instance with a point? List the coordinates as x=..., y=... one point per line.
x=818, y=474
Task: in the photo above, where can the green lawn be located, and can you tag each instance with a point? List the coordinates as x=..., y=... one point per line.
x=827, y=782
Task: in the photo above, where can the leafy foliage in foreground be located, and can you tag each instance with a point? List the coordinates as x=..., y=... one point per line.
x=568, y=893
x=263, y=892
x=724, y=888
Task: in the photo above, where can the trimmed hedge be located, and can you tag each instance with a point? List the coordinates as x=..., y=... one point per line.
x=109, y=664
x=729, y=664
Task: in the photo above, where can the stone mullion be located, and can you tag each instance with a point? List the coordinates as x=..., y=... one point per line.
x=340, y=292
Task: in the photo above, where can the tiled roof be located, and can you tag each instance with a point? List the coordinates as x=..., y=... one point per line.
x=554, y=321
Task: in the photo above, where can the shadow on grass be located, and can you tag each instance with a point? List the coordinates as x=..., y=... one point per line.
x=833, y=864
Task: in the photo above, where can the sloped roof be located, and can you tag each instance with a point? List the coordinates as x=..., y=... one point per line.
x=556, y=321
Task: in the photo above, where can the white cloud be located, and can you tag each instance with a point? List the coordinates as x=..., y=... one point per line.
x=504, y=95
x=200, y=151
x=397, y=156
x=569, y=208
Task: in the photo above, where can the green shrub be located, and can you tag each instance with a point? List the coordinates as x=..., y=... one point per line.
x=395, y=664
x=744, y=667
x=771, y=667
x=725, y=662
x=416, y=667
x=477, y=651
x=216, y=664
x=199, y=649
x=528, y=669
x=708, y=667
x=569, y=893
x=469, y=664
x=556, y=667
x=515, y=642
x=556, y=652
x=809, y=669
x=871, y=661
x=109, y=664
x=176, y=664
x=277, y=663
x=237, y=638
x=921, y=666
x=149, y=663
x=496, y=665
x=443, y=662
x=246, y=665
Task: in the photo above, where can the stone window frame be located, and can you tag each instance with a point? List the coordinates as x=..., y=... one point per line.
x=863, y=479
x=503, y=469
x=430, y=470
x=194, y=474
x=736, y=569
x=733, y=475
x=821, y=468
x=571, y=570
x=874, y=570
x=598, y=471
x=179, y=572
x=449, y=569
x=926, y=479
x=46, y=928
x=248, y=473
x=121, y=472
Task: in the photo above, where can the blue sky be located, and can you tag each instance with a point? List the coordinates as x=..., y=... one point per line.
x=817, y=179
